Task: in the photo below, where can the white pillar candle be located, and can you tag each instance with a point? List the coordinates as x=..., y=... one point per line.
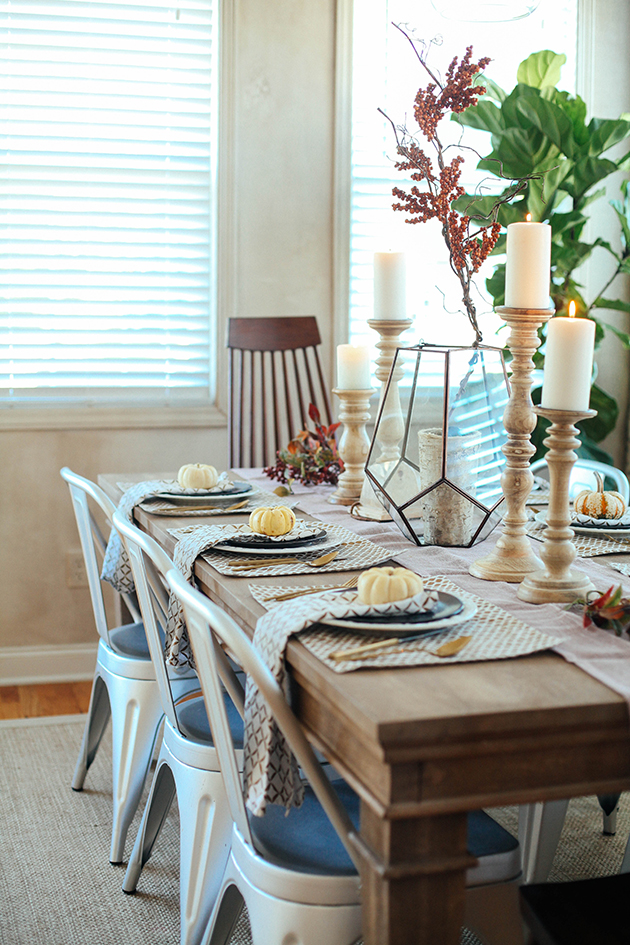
x=568, y=363
x=353, y=367
x=390, y=286
x=528, y=265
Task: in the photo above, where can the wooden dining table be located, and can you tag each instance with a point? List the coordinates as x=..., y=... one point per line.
x=423, y=746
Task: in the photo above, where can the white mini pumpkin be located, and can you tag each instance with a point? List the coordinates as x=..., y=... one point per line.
x=599, y=503
x=384, y=585
x=274, y=521
x=197, y=476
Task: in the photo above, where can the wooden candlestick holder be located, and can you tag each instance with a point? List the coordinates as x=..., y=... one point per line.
x=557, y=581
x=354, y=444
x=392, y=426
x=513, y=557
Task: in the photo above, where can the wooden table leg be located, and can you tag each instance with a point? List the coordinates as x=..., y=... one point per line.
x=413, y=879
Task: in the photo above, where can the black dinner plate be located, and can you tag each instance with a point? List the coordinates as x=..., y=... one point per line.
x=263, y=541
x=446, y=606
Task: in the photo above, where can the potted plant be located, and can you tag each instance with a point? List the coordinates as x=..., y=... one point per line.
x=540, y=135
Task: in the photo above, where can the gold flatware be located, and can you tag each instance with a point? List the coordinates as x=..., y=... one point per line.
x=317, y=590
x=268, y=562
x=367, y=650
x=216, y=508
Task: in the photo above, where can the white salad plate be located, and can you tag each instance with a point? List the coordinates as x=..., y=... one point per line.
x=283, y=544
x=407, y=626
x=201, y=496
x=583, y=525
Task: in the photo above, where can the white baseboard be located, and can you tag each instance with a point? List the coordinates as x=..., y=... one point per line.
x=25, y=665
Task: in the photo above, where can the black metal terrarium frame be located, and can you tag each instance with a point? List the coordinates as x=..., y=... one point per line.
x=487, y=513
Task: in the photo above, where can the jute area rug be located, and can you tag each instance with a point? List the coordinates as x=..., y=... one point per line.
x=57, y=886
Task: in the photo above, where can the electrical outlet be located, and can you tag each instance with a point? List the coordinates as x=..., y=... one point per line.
x=76, y=575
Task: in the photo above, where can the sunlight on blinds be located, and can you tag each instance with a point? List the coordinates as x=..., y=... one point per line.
x=386, y=74
x=107, y=122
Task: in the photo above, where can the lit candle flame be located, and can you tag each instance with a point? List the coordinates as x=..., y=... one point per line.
x=571, y=309
x=529, y=218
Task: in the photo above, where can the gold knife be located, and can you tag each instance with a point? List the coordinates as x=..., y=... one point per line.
x=450, y=648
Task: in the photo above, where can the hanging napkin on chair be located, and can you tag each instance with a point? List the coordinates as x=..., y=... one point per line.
x=271, y=772
x=187, y=550
x=116, y=569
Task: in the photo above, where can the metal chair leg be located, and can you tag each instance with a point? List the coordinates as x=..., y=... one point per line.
x=609, y=804
x=158, y=805
x=99, y=714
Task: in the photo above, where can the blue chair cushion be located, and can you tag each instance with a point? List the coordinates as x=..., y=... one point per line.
x=193, y=721
x=130, y=640
x=486, y=837
x=306, y=840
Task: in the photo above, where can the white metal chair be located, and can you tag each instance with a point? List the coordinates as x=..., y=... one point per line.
x=540, y=825
x=187, y=766
x=297, y=874
x=124, y=686
x=583, y=475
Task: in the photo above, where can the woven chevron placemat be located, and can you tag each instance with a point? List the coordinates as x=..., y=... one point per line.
x=495, y=635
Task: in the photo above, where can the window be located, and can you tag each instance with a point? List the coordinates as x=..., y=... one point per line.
x=386, y=74
x=107, y=207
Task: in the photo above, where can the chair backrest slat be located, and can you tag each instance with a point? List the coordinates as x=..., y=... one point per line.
x=296, y=381
x=150, y=565
x=207, y=627
x=90, y=538
x=148, y=561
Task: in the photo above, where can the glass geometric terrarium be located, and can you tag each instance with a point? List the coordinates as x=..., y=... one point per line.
x=436, y=458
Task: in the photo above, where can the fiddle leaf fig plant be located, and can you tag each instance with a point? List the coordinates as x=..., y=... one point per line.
x=540, y=134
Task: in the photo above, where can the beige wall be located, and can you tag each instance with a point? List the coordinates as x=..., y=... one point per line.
x=604, y=83
x=282, y=113
x=277, y=251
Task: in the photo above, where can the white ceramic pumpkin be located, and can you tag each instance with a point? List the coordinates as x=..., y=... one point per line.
x=384, y=585
x=599, y=503
x=275, y=521
x=197, y=476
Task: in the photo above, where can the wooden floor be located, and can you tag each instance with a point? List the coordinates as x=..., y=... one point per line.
x=27, y=702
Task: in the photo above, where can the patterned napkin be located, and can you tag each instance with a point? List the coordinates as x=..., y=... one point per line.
x=116, y=568
x=270, y=777
x=357, y=553
x=271, y=772
x=254, y=499
x=587, y=546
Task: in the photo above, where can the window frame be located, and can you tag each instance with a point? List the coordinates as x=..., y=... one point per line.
x=56, y=416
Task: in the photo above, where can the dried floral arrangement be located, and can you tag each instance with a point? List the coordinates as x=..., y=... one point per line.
x=311, y=457
x=467, y=247
x=610, y=610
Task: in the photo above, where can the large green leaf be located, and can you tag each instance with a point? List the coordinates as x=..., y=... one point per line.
x=597, y=428
x=485, y=116
x=615, y=305
x=623, y=336
x=541, y=69
x=622, y=209
x=563, y=222
x=551, y=121
x=575, y=108
x=588, y=172
x=492, y=89
x=495, y=285
x=482, y=209
x=604, y=133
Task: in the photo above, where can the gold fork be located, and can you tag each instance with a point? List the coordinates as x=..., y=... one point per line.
x=316, y=590
x=218, y=508
x=272, y=562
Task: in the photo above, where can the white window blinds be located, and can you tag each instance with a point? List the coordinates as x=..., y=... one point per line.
x=107, y=131
x=386, y=74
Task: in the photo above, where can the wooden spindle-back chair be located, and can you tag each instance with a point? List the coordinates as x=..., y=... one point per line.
x=274, y=373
